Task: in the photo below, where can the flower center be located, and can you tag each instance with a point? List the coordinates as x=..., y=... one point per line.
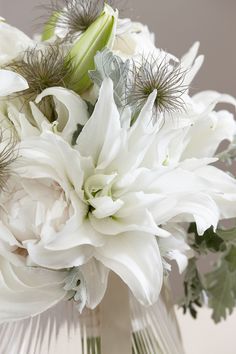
x=98, y=195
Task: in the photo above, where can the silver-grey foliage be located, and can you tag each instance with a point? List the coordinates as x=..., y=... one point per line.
x=75, y=285
x=109, y=65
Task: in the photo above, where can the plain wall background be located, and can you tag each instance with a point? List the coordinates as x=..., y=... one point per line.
x=177, y=24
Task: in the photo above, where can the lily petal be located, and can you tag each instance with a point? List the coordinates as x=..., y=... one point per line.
x=70, y=107
x=31, y=290
x=135, y=257
x=95, y=276
x=11, y=82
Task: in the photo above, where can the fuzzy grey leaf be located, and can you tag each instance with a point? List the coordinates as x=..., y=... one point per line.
x=75, y=285
x=109, y=65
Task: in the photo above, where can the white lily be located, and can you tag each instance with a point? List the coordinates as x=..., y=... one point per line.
x=12, y=43
x=103, y=200
x=11, y=82
x=70, y=108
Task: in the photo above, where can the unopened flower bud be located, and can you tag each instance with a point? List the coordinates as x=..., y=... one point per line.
x=99, y=35
x=50, y=26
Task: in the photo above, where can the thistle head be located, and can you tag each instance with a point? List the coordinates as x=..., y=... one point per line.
x=150, y=74
x=42, y=68
x=73, y=16
x=8, y=155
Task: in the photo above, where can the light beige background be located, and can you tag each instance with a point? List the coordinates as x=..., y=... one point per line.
x=177, y=24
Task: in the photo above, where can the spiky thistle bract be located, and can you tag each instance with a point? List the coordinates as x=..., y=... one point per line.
x=152, y=73
x=42, y=67
x=8, y=154
x=75, y=16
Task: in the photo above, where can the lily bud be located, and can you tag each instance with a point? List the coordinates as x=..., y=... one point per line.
x=99, y=35
x=49, y=29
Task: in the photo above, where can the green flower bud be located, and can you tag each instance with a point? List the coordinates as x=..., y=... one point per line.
x=49, y=28
x=99, y=35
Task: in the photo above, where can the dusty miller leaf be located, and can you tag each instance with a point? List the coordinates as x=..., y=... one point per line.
x=228, y=156
x=193, y=289
x=221, y=286
x=209, y=242
x=109, y=65
x=75, y=286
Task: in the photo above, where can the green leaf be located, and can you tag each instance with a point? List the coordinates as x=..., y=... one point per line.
x=209, y=242
x=193, y=289
x=228, y=156
x=228, y=235
x=221, y=286
x=49, y=28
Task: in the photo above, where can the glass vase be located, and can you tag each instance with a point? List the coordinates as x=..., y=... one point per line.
x=62, y=330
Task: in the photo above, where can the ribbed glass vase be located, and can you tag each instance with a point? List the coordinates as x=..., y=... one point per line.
x=62, y=330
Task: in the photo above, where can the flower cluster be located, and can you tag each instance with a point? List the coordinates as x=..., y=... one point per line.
x=112, y=160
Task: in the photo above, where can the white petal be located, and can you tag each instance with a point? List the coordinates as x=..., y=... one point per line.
x=102, y=129
x=12, y=43
x=105, y=206
x=209, y=99
x=95, y=277
x=176, y=247
x=74, y=257
x=194, y=70
x=135, y=257
x=25, y=292
x=188, y=207
x=137, y=140
x=188, y=59
x=70, y=107
x=11, y=82
x=222, y=189
x=54, y=156
x=142, y=220
x=191, y=64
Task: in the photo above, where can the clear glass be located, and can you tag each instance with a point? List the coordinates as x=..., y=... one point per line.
x=62, y=330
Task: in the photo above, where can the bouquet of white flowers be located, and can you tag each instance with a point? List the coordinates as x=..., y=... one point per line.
x=107, y=164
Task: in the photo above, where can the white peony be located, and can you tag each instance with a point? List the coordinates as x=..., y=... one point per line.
x=31, y=290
